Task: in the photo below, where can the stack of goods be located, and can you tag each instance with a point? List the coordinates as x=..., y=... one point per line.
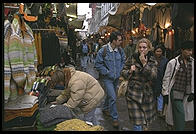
x=76, y=125
x=21, y=113
x=40, y=126
x=48, y=71
x=53, y=94
x=40, y=89
x=54, y=114
x=41, y=85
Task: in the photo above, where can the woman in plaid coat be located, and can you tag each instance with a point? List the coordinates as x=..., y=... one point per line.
x=141, y=70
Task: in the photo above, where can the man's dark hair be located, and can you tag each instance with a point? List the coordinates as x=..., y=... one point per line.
x=187, y=45
x=114, y=35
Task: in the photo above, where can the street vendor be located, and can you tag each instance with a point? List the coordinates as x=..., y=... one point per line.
x=81, y=90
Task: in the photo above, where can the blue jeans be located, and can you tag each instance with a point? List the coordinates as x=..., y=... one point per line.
x=110, y=100
x=84, y=60
x=137, y=128
x=160, y=103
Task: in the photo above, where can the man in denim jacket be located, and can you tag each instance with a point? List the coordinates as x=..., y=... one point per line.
x=109, y=62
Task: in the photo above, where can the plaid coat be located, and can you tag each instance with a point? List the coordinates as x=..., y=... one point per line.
x=139, y=95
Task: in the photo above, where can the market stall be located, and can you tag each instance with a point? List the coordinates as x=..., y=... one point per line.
x=35, y=37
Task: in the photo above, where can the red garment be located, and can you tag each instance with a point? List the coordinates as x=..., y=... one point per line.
x=6, y=11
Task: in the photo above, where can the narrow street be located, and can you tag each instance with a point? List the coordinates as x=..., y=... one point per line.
x=157, y=125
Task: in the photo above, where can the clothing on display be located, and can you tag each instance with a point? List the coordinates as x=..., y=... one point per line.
x=53, y=114
x=50, y=49
x=21, y=122
x=20, y=58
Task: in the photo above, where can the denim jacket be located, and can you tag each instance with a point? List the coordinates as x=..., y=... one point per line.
x=110, y=65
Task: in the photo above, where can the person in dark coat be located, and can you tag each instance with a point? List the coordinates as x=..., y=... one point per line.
x=162, y=62
x=140, y=70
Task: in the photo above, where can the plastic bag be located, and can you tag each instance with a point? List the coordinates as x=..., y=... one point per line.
x=123, y=88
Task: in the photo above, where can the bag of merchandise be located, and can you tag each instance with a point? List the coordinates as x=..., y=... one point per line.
x=77, y=125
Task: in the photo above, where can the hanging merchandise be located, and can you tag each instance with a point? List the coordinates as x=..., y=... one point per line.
x=50, y=48
x=26, y=17
x=37, y=36
x=20, y=58
x=169, y=39
x=183, y=15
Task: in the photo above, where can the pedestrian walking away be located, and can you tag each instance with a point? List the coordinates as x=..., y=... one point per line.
x=84, y=55
x=109, y=62
x=141, y=70
x=81, y=90
x=178, y=87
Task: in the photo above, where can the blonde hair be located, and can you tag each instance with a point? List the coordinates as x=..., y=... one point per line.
x=144, y=40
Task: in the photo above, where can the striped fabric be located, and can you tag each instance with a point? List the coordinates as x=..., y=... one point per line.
x=7, y=68
x=20, y=58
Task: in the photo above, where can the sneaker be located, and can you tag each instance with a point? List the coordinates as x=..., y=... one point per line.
x=106, y=112
x=115, y=124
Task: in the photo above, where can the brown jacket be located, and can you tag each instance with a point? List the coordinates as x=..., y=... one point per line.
x=85, y=91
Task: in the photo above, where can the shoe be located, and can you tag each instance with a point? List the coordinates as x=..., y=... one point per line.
x=115, y=124
x=160, y=114
x=105, y=112
x=145, y=128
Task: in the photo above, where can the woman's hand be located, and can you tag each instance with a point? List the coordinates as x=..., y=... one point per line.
x=132, y=69
x=143, y=59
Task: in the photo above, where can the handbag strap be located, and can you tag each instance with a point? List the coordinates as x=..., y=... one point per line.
x=174, y=70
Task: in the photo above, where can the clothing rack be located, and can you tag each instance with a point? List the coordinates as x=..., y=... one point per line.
x=43, y=29
x=13, y=7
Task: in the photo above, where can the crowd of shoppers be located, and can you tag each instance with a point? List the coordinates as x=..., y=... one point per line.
x=156, y=85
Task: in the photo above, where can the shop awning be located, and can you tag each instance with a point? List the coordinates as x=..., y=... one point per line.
x=77, y=24
x=114, y=21
x=115, y=14
x=72, y=10
x=121, y=8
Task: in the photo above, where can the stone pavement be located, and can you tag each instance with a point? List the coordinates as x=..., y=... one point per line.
x=157, y=125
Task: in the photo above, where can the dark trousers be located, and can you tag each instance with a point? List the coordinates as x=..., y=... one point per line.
x=178, y=113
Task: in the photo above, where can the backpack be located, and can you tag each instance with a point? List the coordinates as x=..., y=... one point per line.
x=84, y=48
